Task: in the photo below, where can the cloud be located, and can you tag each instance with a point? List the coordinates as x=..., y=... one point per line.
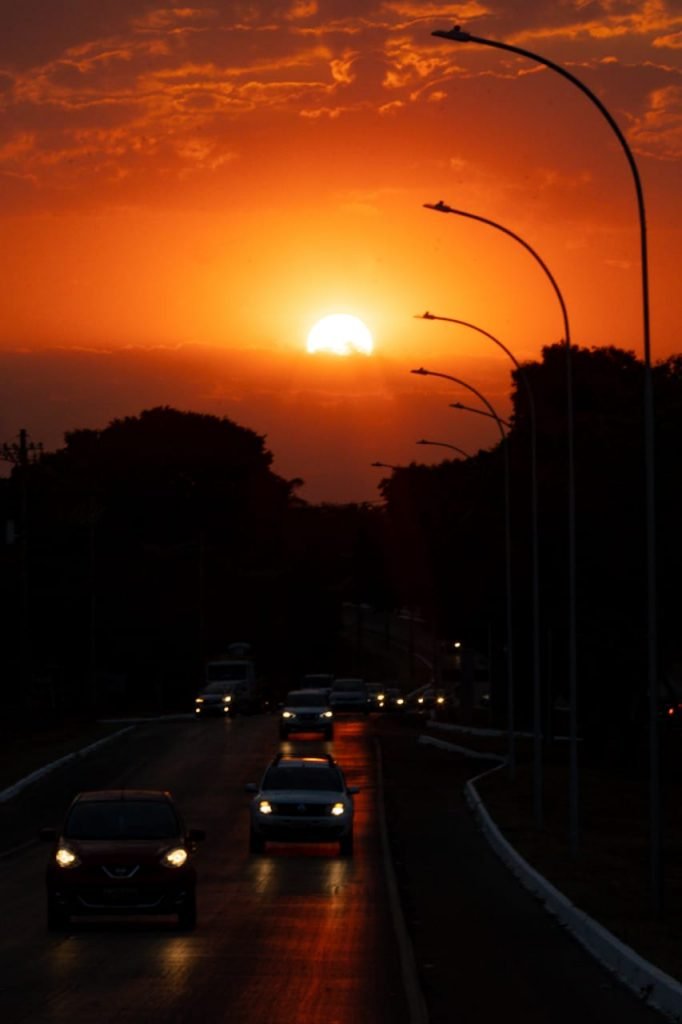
x=615, y=20
x=658, y=131
x=671, y=42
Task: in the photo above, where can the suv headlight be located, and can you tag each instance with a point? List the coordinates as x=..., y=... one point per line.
x=66, y=858
x=175, y=858
x=227, y=698
x=198, y=700
x=265, y=807
x=337, y=809
x=288, y=714
x=327, y=714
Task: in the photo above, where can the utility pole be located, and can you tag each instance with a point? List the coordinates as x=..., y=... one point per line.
x=21, y=454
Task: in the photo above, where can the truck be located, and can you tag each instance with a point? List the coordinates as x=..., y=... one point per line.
x=230, y=685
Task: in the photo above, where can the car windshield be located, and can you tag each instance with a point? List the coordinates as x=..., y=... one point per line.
x=307, y=700
x=217, y=687
x=122, y=819
x=302, y=777
x=224, y=672
x=350, y=685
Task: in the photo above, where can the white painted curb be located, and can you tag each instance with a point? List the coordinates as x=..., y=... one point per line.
x=7, y=794
x=653, y=986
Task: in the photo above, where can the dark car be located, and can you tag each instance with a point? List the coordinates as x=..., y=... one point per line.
x=215, y=699
x=300, y=800
x=121, y=852
x=391, y=699
x=306, y=711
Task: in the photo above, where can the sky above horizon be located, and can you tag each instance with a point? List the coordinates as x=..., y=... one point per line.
x=185, y=191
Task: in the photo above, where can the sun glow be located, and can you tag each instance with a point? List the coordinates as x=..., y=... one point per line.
x=341, y=335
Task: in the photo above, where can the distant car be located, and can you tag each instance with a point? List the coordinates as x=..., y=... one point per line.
x=317, y=681
x=350, y=694
x=374, y=693
x=432, y=698
x=306, y=711
x=215, y=699
x=300, y=800
x=121, y=852
x=391, y=699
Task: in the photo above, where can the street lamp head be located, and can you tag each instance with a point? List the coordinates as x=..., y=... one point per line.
x=456, y=33
x=422, y=441
x=421, y=371
x=440, y=206
x=424, y=316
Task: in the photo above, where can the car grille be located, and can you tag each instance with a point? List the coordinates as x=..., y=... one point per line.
x=120, y=870
x=300, y=810
x=100, y=898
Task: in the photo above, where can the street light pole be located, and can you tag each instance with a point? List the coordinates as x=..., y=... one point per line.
x=535, y=565
x=446, y=444
x=457, y=34
x=511, y=738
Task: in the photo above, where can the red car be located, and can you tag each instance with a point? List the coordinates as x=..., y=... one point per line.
x=121, y=852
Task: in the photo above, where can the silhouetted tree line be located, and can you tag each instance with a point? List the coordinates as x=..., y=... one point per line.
x=447, y=523
x=142, y=548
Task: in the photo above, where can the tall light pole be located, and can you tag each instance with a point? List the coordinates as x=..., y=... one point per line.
x=457, y=34
x=573, y=824
x=446, y=444
x=511, y=739
x=22, y=455
x=535, y=563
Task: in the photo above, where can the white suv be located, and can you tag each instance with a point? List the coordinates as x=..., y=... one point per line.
x=302, y=800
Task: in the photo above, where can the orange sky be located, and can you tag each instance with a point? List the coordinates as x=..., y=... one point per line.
x=184, y=191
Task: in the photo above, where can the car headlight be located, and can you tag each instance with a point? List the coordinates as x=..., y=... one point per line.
x=327, y=714
x=265, y=807
x=198, y=700
x=337, y=809
x=227, y=698
x=440, y=700
x=175, y=858
x=66, y=858
x=420, y=700
x=400, y=701
x=381, y=697
x=288, y=714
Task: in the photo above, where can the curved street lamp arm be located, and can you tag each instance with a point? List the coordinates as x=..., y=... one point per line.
x=469, y=387
x=458, y=35
x=442, y=207
x=508, y=352
x=481, y=412
x=446, y=444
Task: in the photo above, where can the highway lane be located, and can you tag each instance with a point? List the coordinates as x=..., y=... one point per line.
x=295, y=936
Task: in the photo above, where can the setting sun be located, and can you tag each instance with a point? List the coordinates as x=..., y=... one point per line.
x=341, y=335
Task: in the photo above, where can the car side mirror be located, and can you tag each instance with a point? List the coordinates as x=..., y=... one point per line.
x=251, y=787
x=48, y=834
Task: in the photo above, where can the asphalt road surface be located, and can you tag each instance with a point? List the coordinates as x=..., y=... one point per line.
x=300, y=935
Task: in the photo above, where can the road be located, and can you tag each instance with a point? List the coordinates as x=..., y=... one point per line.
x=295, y=936
x=300, y=935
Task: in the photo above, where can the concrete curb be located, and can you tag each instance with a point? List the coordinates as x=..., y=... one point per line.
x=418, y=1013
x=654, y=987
x=17, y=787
